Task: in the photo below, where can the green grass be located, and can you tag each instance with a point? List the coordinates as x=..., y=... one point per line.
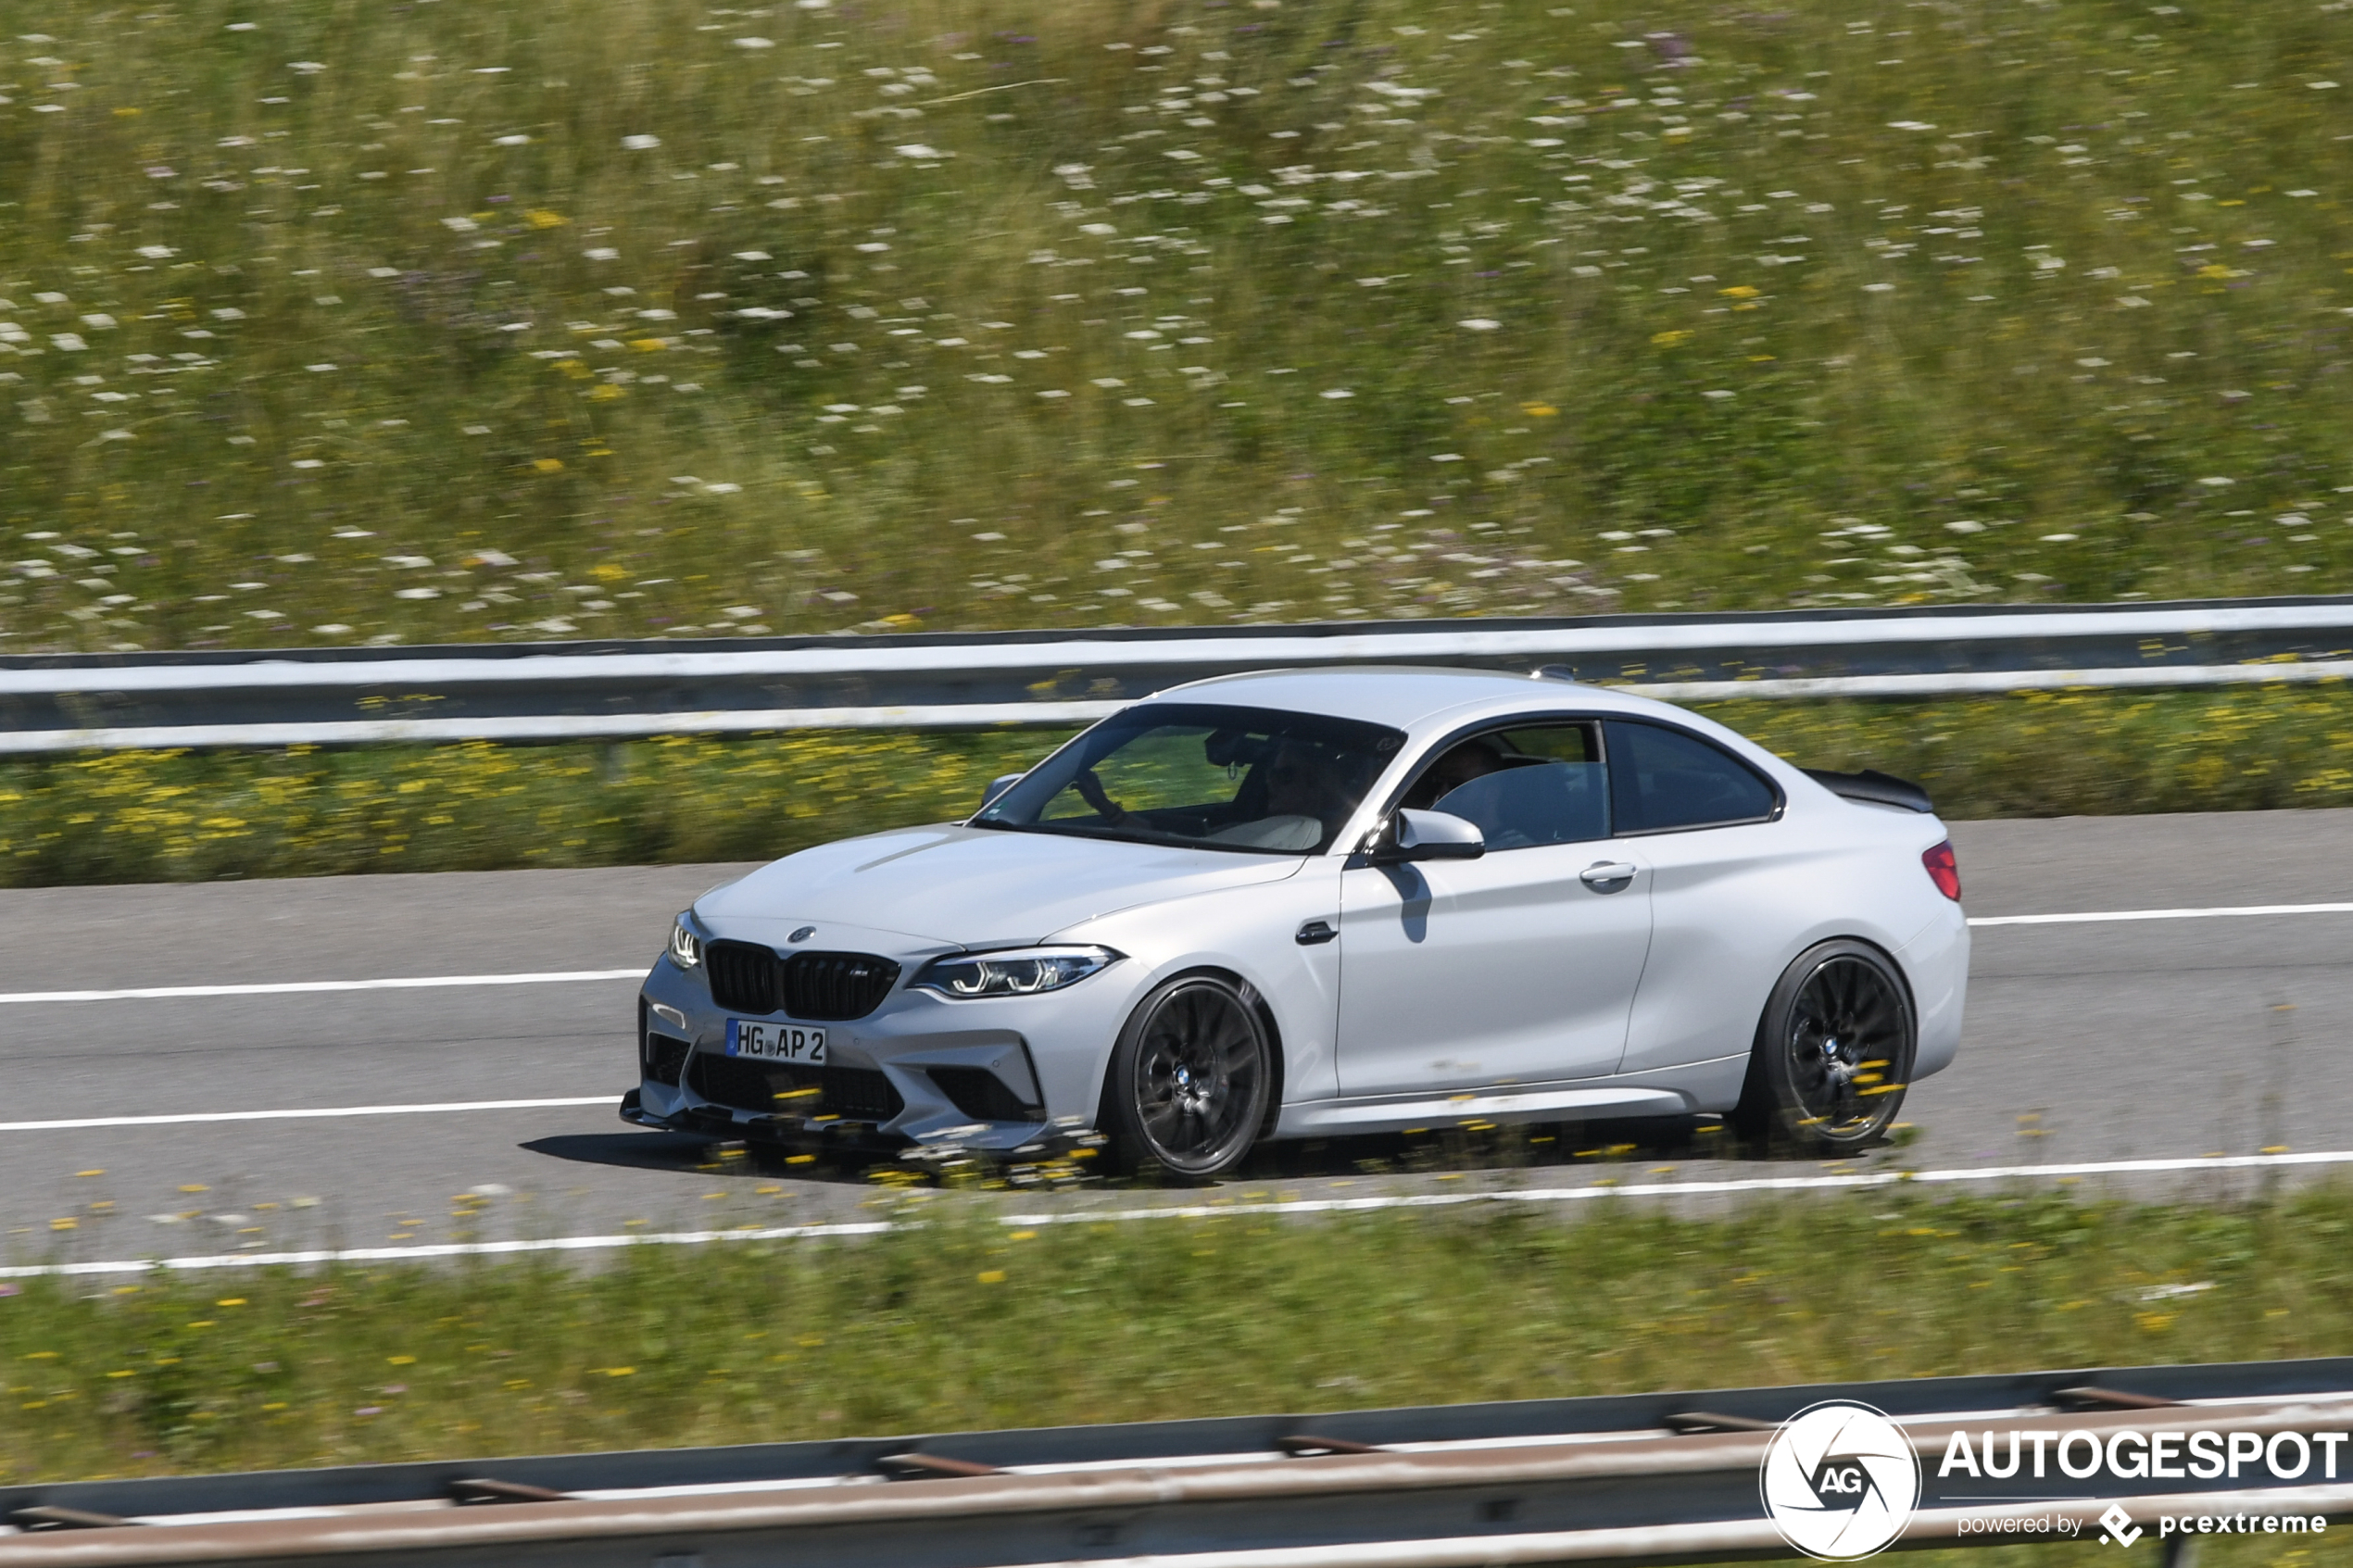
x=463, y=321
x=965, y=1324
x=148, y=816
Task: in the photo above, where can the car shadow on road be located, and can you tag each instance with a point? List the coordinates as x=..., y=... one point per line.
x=691, y=1153
x=1439, y=1151
x=1681, y=1140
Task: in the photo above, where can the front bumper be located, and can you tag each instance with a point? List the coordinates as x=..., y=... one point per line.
x=989, y=1074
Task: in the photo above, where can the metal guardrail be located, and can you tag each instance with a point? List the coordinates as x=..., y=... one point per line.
x=533, y=692
x=1639, y=1478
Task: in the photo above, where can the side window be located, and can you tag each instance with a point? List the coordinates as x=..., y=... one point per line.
x=1661, y=779
x=1524, y=787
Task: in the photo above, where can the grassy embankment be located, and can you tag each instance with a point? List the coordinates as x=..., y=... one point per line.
x=135, y=817
x=443, y=322
x=965, y=1324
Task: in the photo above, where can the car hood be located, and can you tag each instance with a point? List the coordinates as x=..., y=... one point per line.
x=960, y=886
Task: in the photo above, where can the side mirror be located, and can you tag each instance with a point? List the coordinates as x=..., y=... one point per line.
x=998, y=786
x=1429, y=836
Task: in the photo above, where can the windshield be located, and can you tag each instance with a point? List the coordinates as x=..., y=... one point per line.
x=1247, y=779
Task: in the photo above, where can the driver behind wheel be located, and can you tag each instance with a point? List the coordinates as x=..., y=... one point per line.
x=1305, y=795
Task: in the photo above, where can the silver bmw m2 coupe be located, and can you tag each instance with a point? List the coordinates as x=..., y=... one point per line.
x=1323, y=902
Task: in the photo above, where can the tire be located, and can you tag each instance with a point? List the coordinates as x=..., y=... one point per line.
x=1191, y=1079
x=1834, y=1053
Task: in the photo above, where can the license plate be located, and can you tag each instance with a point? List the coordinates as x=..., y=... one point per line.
x=774, y=1042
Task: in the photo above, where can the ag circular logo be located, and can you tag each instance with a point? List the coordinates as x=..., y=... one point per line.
x=1840, y=1480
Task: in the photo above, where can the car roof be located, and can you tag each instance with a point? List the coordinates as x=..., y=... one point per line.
x=1409, y=697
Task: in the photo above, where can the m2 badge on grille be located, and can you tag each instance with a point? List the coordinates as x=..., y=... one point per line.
x=774, y=1042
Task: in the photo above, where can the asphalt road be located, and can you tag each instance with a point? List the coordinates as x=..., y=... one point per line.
x=2101, y=1041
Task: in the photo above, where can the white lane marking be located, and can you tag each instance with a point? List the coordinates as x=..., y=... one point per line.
x=182, y=1118
x=445, y=1249
x=2221, y=913
x=289, y=987
x=1693, y=1190
x=1196, y=1212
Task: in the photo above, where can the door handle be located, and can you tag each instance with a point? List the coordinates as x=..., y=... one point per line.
x=1607, y=876
x=1315, y=932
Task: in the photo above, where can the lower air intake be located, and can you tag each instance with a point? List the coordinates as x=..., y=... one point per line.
x=982, y=1096
x=854, y=1093
x=661, y=1059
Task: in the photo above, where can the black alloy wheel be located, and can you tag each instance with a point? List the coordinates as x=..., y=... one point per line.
x=1833, y=1052
x=1191, y=1079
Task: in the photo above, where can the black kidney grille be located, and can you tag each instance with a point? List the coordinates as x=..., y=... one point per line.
x=822, y=987
x=856, y=1093
x=835, y=986
x=743, y=975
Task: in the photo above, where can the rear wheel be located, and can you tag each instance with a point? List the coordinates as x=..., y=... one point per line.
x=1833, y=1052
x=1191, y=1079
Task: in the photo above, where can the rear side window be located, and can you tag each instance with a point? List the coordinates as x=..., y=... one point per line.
x=1662, y=779
x=1522, y=787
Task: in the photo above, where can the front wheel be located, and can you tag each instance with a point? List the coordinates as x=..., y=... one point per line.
x=1833, y=1052
x=1191, y=1079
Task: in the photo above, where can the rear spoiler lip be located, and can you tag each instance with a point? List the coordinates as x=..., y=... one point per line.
x=1873, y=787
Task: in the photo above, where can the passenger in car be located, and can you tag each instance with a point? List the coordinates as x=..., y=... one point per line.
x=1474, y=759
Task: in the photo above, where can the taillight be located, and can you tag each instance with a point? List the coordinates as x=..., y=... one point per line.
x=1944, y=870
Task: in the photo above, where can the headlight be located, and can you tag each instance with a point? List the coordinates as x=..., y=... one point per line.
x=1022, y=972
x=686, y=947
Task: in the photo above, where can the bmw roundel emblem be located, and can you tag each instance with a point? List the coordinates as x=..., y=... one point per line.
x=803, y=935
